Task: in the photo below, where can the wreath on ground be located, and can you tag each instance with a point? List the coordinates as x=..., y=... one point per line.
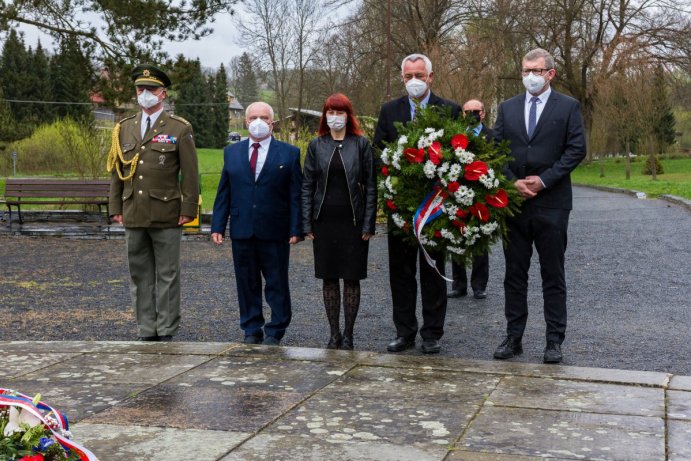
x=442, y=185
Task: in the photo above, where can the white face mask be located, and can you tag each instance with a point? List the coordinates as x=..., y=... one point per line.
x=336, y=122
x=534, y=83
x=416, y=88
x=259, y=129
x=147, y=99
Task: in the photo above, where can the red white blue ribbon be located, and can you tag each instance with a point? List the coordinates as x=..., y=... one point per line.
x=10, y=398
x=428, y=211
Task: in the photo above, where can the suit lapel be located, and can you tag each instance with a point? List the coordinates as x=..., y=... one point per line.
x=404, y=109
x=547, y=111
x=271, y=159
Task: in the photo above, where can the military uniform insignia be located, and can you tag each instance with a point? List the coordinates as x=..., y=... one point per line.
x=165, y=139
x=127, y=146
x=146, y=73
x=161, y=160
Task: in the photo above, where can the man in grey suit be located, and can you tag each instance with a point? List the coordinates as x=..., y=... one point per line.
x=545, y=131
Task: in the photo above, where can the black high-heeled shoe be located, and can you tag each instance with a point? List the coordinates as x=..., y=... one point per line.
x=347, y=344
x=335, y=342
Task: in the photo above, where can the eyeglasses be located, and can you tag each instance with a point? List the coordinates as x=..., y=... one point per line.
x=525, y=72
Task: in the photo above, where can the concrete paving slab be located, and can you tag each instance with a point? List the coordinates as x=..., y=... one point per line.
x=263, y=373
x=117, y=347
x=16, y=364
x=140, y=443
x=209, y=408
x=679, y=440
x=456, y=455
x=78, y=400
x=300, y=353
x=682, y=383
x=679, y=405
x=558, y=394
x=565, y=434
x=119, y=368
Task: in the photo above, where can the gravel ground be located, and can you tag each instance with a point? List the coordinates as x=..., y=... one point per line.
x=628, y=274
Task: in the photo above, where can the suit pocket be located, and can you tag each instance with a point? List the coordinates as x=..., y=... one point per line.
x=165, y=205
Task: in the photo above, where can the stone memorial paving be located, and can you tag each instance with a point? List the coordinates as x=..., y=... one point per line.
x=228, y=401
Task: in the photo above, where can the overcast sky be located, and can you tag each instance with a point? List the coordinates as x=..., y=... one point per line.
x=219, y=47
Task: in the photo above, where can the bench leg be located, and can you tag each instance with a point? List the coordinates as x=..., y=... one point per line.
x=19, y=213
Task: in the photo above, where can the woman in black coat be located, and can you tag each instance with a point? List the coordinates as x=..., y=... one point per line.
x=339, y=206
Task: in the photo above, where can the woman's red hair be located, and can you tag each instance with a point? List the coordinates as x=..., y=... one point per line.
x=339, y=101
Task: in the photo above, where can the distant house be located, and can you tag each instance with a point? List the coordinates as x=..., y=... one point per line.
x=236, y=112
x=309, y=119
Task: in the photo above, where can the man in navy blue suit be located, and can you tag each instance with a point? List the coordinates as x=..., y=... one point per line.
x=259, y=191
x=545, y=131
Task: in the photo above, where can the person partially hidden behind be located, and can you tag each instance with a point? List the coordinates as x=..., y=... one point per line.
x=474, y=111
x=259, y=191
x=339, y=208
x=545, y=131
x=154, y=190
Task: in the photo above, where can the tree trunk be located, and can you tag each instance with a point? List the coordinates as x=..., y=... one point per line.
x=628, y=161
x=601, y=160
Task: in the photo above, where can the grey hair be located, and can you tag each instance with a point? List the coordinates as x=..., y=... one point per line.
x=414, y=57
x=259, y=103
x=538, y=53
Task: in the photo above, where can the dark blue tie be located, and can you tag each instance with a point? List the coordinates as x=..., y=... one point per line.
x=532, y=116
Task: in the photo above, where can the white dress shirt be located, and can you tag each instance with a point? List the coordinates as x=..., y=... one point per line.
x=538, y=109
x=261, y=158
x=153, y=118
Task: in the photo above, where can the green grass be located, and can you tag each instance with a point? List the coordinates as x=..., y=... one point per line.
x=676, y=179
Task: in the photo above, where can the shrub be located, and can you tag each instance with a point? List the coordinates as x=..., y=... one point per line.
x=648, y=166
x=64, y=147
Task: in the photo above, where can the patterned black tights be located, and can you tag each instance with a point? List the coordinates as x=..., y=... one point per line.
x=332, y=303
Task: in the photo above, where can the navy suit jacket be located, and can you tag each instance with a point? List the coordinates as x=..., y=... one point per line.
x=555, y=149
x=268, y=209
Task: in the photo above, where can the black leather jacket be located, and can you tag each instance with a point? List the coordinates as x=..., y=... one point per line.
x=356, y=153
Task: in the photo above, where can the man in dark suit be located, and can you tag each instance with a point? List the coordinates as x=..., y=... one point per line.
x=474, y=111
x=545, y=130
x=416, y=71
x=260, y=191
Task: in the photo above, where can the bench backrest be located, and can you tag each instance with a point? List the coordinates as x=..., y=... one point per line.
x=62, y=188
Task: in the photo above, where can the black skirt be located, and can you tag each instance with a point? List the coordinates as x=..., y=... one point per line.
x=339, y=251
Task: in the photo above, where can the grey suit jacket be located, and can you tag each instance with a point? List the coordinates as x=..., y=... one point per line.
x=555, y=149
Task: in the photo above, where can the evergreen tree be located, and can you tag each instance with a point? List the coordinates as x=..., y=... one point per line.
x=221, y=115
x=72, y=77
x=9, y=129
x=40, y=83
x=245, y=80
x=192, y=98
x=14, y=74
x=663, y=117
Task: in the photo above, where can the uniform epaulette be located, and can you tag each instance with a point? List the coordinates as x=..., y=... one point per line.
x=177, y=117
x=127, y=118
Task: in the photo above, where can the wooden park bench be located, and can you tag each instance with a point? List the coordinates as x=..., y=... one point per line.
x=33, y=191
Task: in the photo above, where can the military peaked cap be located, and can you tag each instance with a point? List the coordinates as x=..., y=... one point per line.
x=148, y=75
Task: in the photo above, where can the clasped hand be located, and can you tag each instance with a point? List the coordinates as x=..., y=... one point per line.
x=529, y=187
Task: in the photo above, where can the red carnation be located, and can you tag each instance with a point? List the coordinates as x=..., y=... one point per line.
x=498, y=200
x=475, y=170
x=385, y=170
x=414, y=155
x=480, y=211
x=459, y=140
x=437, y=234
x=434, y=152
x=453, y=186
x=392, y=206
x=461, y=213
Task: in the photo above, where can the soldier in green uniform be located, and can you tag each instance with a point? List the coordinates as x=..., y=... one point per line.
x=153, y=192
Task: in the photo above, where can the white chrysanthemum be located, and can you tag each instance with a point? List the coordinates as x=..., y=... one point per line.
x=396, y=160
x=487, y=179
x=458, y=251
x=454, y=172
x=389, y=185
x=398, y=220
x=464, y=156
x=489, y=228
x=443, y=168
x=424, y=142
x=385, y=156
x=496, y=183
x=429, y=130
x=388, y=196
x=448, y=235
x=464, y=195
x=403, y=140
x=450, y=209
x=430, y=169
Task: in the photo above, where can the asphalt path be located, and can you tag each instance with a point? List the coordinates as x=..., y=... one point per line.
x=627, y=265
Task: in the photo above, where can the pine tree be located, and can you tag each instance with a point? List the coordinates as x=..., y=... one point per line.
x=14, y=73
x=245, y=80
x=40, y=82
x=73, y=77
x=221, y=116
x=663, y=117
x=192, y=99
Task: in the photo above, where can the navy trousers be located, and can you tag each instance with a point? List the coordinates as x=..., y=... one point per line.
x=253, y=260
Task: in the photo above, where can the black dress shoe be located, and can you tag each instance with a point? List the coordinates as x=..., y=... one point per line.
x=552, y=353
x=479, y=294
x=456, y=293
x=430, y=346
x=252, y=339
x=271, y=341
x=508, y=348
x=147, y=338
x=347, y=343
x=400, y=344
x=335, y=341
x=165, y=338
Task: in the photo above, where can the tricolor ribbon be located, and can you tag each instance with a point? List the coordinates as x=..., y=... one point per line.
x=9, y=398
x=429, y=210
